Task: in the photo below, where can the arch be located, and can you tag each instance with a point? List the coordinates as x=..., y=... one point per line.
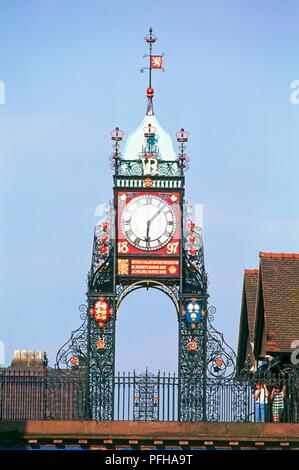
x=146, y=333
x=173, y=293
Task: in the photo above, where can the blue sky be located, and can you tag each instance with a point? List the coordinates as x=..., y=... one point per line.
x=71, y=73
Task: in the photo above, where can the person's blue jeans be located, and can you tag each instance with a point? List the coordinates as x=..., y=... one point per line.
x=260, y=413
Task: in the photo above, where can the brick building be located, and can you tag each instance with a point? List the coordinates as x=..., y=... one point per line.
x=29, y=389
x=269, y=321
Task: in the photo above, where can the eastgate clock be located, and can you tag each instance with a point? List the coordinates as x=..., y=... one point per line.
x=148, y=222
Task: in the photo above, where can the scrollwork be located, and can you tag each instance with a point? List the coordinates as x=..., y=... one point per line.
x=146, y=397
x=135, y=168
x=73, y=354
x=221, y=358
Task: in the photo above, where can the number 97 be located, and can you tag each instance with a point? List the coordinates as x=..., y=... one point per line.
x=172, y=248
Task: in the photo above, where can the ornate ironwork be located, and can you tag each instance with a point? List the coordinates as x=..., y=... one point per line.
x=101, y=347
x=193, y=334
x=129, y=168
x=116, y=137
x=135, y=168
x=146, y=397
x=101, y=279
x=170, y=288
x=49, y=394
x=221, y=358
x=206, y=362
x=192, y=372
x=73, y=354
x=182, y=138
x=195, y=277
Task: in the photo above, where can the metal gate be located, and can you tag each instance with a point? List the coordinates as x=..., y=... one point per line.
x=146, y=397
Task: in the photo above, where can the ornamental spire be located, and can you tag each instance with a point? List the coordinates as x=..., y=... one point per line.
x=155, y=62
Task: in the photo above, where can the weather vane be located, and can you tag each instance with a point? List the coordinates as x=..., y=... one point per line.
x=155, y=62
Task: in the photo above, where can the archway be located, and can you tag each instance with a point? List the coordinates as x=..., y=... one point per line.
x=147, y=330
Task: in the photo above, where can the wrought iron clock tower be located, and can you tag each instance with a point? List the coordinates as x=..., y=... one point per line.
x=148, y=240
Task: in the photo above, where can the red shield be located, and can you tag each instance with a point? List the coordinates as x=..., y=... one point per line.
x=101, y=311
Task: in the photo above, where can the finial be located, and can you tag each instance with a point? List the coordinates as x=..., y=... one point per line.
x=116, y=137
x=151, y=38
x=150, y=107
x=182, y=137
x=155, y=62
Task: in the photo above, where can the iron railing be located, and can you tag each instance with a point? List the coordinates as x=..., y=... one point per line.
x=45, y=394
x=146, y=397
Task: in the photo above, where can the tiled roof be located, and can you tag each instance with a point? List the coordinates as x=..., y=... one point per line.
x=280, y=290
x=279, y=255
x=250, y=288
x=246, y=328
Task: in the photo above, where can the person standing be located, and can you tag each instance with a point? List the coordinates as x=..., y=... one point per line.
x=278, y=397
x=261, y=395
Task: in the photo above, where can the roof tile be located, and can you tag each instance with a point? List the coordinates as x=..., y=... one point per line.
x=250, y=286
x=280, y=284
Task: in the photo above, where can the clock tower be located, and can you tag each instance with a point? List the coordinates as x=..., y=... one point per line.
x=148, y=239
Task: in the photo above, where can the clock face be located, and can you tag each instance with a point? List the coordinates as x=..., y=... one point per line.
x=148, y=222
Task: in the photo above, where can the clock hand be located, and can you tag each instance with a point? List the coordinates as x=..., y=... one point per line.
x=148, y=224
x=147, y=238
x=156, y=214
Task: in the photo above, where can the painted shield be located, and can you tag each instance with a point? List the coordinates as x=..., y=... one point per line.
x=101, y=311
x=193, y=313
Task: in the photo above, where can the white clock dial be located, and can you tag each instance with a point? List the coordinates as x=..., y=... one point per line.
x=148, y=222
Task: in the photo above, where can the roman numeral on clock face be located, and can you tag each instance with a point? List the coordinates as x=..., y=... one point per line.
x=129, y=232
